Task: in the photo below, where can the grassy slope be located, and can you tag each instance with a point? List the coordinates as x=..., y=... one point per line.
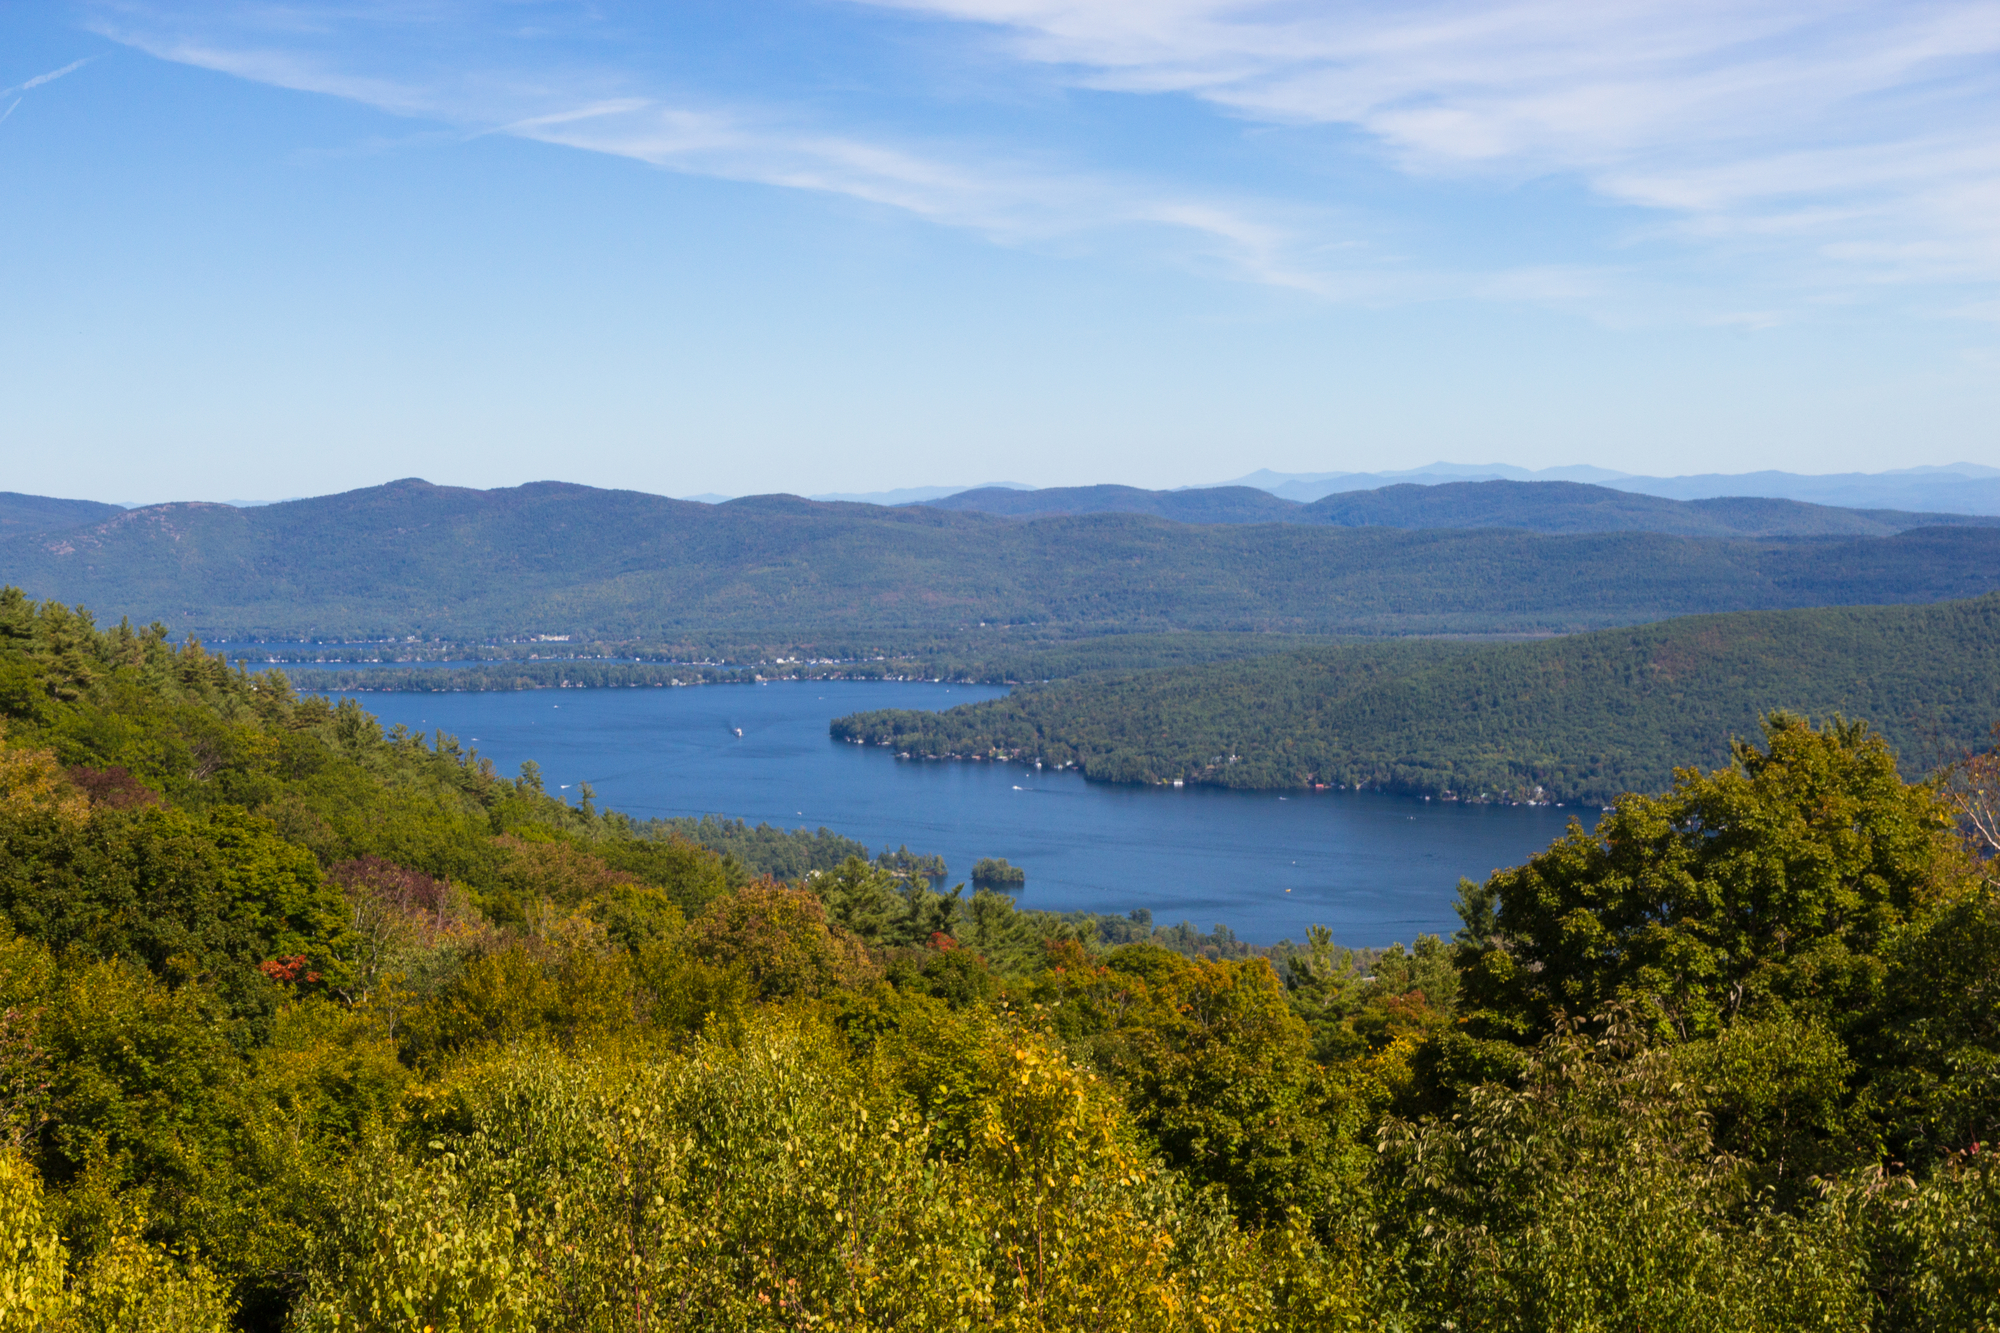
x=1583, y=717
x=410, y=558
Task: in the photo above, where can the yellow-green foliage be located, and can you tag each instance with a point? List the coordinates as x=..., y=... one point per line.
x=32, y=788
x=1944, y=1250
x=775, y=1184
x=1592, y=1197
x=781, y=940
x=129, y=1286
x=307, y=1025
x=1218, y=1069
x=33, y=1293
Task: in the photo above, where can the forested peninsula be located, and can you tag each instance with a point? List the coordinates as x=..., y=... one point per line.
x=308, y=1026
x=1580, y=718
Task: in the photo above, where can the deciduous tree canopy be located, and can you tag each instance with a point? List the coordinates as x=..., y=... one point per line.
x=307, y=1025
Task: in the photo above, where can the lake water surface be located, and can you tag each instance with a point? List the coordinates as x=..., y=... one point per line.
x=1374, y=868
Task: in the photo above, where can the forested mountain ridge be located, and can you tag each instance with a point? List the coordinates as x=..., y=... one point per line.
x=1573, y=719
x=23, y=514
x=1955, y=488
x=1567, y=506
x=410, y=558
x=309, y=1027
x=1534, y=506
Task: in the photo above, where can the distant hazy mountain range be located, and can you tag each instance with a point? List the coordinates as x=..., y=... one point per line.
x=1538, y=506
x=908, y=495
x=1956, y=488
x=411, y=558
x=1209, y=504
x=1305, y=487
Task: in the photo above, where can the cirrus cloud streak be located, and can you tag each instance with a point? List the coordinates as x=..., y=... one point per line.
x=1862, y=134
x=434, y=63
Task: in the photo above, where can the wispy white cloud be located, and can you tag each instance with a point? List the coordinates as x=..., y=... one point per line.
x=18, y=91
x=1820, y=145
x=1018, y=198
x=49, y=77
x=1011, y=200
x=1858, y=132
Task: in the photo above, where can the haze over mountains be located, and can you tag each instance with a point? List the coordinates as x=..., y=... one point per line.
x=1216, y=504
x=20, y=514
x=1960, y=488
x=1538, y=506
x=411, y=558
x=1957, y=488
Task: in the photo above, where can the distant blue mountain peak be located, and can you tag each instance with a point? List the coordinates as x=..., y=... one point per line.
x=1950, y=488
x=910, y=495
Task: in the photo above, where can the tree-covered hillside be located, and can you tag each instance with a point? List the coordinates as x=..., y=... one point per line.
x=439, y=562
x=23, y=514
x=308, y=1027
x=1578, y=718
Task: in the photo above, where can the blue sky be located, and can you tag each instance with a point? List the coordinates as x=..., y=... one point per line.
x=254, y=250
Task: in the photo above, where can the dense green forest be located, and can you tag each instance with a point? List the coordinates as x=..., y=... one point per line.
x=1580, y=718
x=22, y=514
x=763, y=850
x=445, y=563
x=307, y=1025
x=786, y=853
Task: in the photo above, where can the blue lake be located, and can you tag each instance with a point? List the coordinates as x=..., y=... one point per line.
x=1374, y=868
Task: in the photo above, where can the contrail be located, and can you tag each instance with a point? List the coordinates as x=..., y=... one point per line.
x=10, y=110
x=49, y=77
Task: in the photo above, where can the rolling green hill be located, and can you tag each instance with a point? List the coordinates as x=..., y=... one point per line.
x=1580, y=718
x=410, y=558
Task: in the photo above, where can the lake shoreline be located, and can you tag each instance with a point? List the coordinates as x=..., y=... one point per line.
x=1373, y=867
